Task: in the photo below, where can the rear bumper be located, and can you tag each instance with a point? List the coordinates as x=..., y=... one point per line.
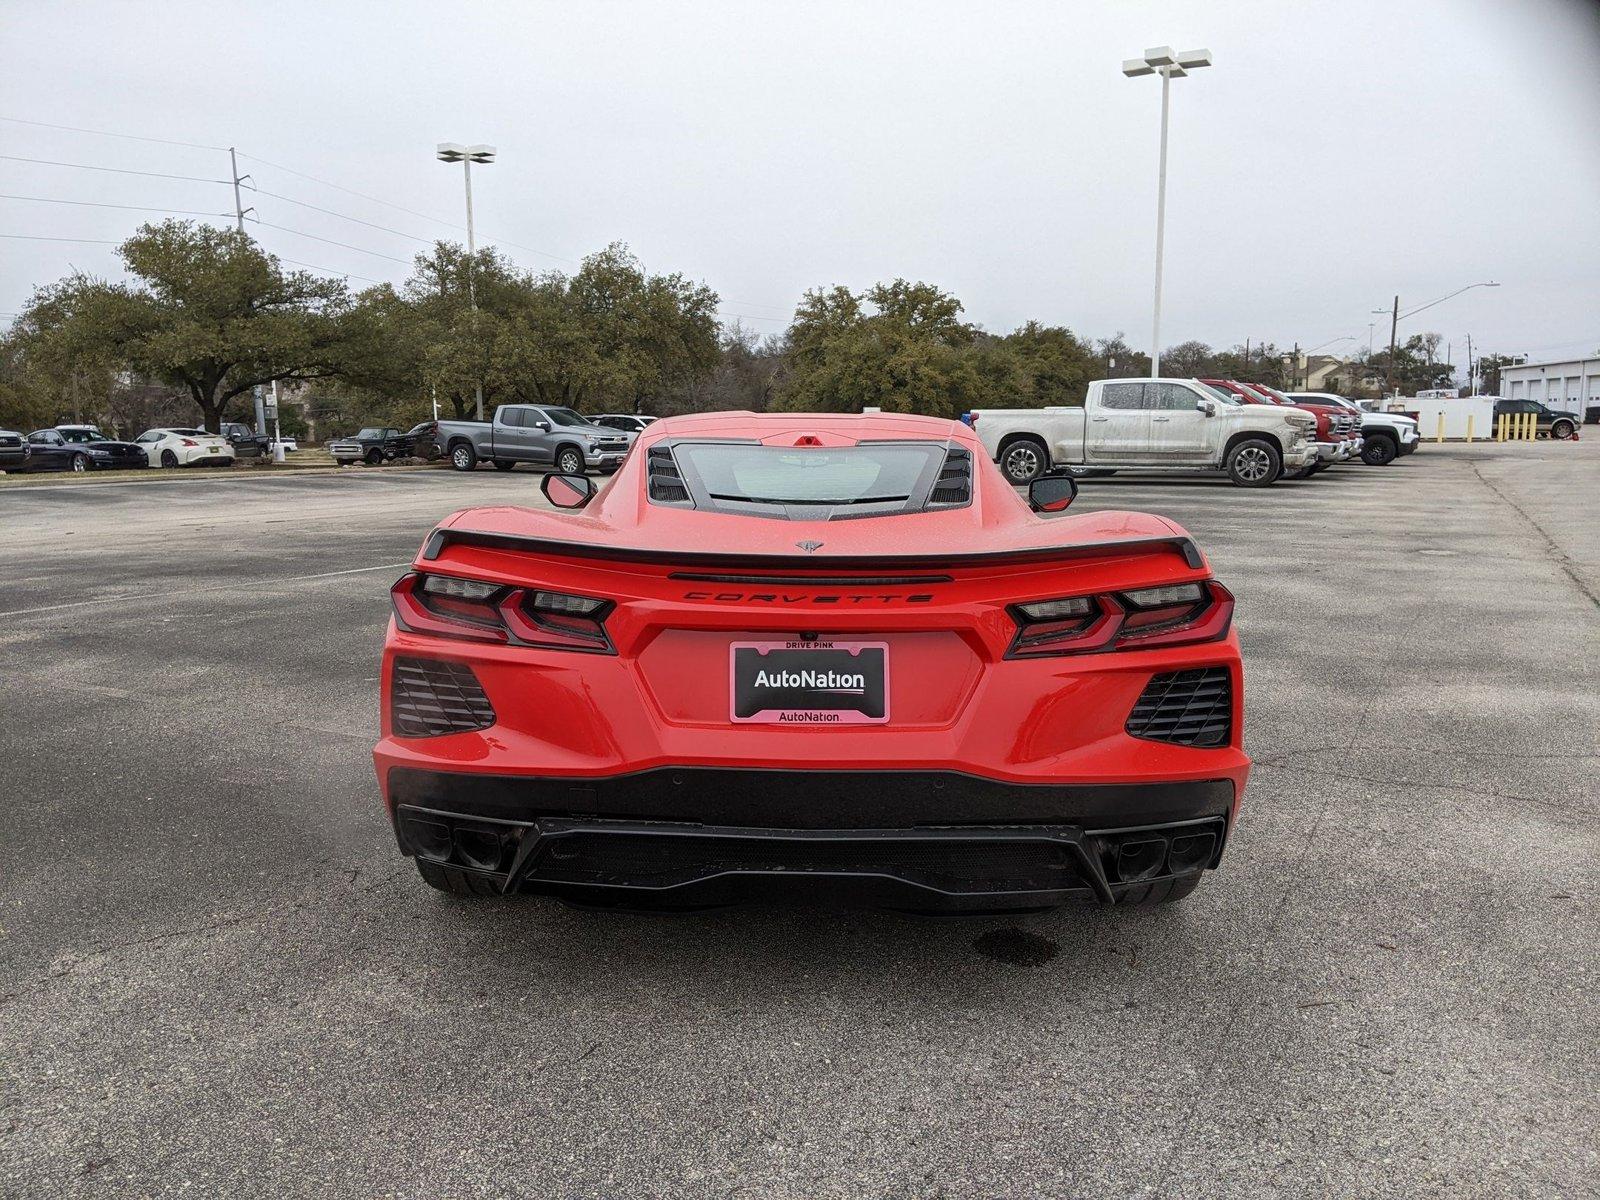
x=699, y=837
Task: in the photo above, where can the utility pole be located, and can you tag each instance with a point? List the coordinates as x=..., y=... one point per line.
x=238, y=209
x=1472, y=372
x=1394, y=333
x=1298, y=370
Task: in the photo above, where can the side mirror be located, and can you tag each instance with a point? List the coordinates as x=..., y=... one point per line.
x=1052, y=494
x=568, y=491
x=543, y=425
x=1207, y=406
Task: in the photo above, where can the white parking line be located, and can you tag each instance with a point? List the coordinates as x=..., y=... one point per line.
x=221, y=587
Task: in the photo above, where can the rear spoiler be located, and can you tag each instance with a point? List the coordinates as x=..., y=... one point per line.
x=440, y=539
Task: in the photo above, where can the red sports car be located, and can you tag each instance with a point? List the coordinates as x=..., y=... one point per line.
x=806, y=655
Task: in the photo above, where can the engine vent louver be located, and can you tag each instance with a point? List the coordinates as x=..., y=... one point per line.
x=1187, y=708
x=666, y=481
x=430, y=696
x=954, y=485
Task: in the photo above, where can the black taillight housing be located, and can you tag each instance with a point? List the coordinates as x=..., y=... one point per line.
x=1137, y=619
x=449, y=606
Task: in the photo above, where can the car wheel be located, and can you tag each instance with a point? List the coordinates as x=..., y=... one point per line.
x=569, y=462
x=1562, y=430
x=1254, y=463
x=456, y=882
x=503, y=464
x=1162, y=891
x=80, y=464
x=1024, y=460
x=463, y=457
x=373, y=457
x=1379, y=450
x=168, y=459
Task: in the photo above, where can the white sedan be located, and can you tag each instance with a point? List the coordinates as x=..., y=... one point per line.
x=185, y=448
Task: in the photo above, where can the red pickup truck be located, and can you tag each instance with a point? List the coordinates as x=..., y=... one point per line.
x=1338, y=433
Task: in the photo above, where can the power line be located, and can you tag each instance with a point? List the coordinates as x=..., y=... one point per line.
x=30, y=237
x=182, y=212
x=341, y=216
x=48, y=162
x=346, y=245
x=132, y=137
x=329, y=270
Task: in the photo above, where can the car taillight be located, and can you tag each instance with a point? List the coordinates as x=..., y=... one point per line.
x=1133, y=620
x=475, y=610
x=188, y=441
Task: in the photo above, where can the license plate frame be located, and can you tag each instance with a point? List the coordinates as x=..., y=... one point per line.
x=798, y=702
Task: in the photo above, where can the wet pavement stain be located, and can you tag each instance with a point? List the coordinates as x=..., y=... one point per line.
x=1015, y=947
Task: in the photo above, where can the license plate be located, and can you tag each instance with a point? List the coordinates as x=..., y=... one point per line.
x=809, y=683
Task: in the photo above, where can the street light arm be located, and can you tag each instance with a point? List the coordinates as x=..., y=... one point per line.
x=1413, y=312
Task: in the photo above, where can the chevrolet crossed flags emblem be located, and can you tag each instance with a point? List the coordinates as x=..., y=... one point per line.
x=809, y=547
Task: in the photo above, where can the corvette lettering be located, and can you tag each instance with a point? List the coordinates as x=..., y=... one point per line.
x=811, y=597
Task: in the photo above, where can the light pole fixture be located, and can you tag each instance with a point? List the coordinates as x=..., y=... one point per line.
x=451, y=152
x=1161, y=60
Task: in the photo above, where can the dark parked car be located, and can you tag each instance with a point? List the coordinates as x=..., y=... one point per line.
x=1552, y=422
x=81, y=448
x=246, y=442
x=424, y=439
x=14, y=451
x=371, y=446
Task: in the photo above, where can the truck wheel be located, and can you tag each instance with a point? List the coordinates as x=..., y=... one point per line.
x=1024, y=460
x=503, y=464
x=1162, y=891
x=457, y=883
x=569, y=461
x=1562, y=430
x=1254, y=463
x=373, y=457
x=1379, y=450
x=463, y=457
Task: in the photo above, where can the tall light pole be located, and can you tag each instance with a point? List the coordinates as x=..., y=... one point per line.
x=467, y=155
x=1161, y=60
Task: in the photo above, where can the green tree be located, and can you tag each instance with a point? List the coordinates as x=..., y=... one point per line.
x=898, y=346
x=1055, y=365
x=207, y=311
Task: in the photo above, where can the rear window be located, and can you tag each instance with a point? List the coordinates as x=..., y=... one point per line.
x=823, y=482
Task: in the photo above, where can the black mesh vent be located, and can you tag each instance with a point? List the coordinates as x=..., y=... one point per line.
x=1190, y=708
x=429, y=697
x=954, y=486
x=666, y=481
x=952, y=864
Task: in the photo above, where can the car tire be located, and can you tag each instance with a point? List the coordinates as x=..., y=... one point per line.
x=463, y=457
x=168, y=459
x=1379, y=450
x=503, y=464
x=373, y=457
x=1024, y=460
x=1254, y=462
x=569, y=461
x=1562, y=430
x=454, y=881
x=79, y=464
x=1162, y=891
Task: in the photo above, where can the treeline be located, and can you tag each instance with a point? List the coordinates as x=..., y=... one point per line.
x=207, y=316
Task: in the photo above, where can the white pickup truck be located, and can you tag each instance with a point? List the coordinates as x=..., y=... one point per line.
x=1160, y=424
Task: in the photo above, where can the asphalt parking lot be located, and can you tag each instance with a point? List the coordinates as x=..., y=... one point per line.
x=217, y=975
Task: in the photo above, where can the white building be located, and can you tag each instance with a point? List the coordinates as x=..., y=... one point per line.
x=1573, y=385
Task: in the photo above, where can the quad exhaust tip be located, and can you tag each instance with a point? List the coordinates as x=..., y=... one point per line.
x=1140, y=855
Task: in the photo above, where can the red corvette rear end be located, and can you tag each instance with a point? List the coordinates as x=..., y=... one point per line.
x=810, y=656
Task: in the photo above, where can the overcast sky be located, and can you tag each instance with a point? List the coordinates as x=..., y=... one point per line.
x=1337, y=153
